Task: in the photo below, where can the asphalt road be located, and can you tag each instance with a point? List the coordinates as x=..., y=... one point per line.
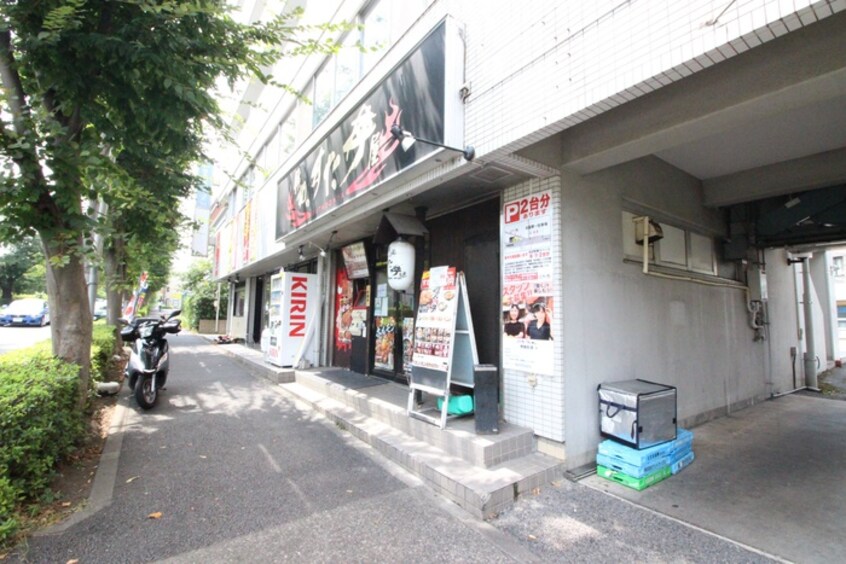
x=239, y=472
x=13, y=338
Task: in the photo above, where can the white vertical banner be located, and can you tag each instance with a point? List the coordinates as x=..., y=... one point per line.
x=527, y=284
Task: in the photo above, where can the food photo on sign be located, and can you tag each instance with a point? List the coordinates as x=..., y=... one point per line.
x=435, y=318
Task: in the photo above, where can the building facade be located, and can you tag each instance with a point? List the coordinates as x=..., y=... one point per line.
x=627, y=212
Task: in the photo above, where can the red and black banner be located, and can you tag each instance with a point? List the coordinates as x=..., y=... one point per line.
x=361, y=153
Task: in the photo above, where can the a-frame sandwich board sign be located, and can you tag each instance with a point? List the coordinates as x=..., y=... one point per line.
x=445, y=351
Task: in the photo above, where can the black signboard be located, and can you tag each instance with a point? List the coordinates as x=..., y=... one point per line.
x=361, y=153
x=355, y=261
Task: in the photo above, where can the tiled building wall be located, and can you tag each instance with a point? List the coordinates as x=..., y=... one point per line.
x=555, y=64
x=535, y=400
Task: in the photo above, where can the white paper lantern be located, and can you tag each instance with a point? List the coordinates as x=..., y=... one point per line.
x=400, y=265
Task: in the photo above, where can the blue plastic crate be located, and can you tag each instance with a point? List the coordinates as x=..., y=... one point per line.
x=631, y=469
x=646, y=456
x=649, y=466
x=682, y=463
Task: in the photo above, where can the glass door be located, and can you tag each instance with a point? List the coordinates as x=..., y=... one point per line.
x=393, y=328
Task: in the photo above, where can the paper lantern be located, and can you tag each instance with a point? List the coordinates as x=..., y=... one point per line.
x=400, y=265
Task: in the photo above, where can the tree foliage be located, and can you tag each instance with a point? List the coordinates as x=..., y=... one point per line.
x=110, y=100
x=16, y=260
x=200, y=294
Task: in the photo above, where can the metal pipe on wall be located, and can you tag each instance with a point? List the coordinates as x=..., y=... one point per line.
x=810, y=361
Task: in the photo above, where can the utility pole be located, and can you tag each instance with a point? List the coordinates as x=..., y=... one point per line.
x=98, y=210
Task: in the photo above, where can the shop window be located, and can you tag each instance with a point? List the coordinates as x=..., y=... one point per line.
x=271, y=153
x=239, y=302
x=347, y=66
x=261, y=158
x=837, y=267
x=287, y=136
x=672, y=249
x=377, y=33
x=385, y=23
x=303, y=117
x=233, y=200
x=324, y=90
x=701, y=253
x=679, y=249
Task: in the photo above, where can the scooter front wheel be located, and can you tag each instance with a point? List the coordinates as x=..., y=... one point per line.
x=145, y=392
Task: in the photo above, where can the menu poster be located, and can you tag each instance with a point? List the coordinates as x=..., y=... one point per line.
x=355, y=260
x=386, y=328
x=527, y=284
x=434, y=331
x=407, y=346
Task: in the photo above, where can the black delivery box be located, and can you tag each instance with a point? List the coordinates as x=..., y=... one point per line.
x=637, y=413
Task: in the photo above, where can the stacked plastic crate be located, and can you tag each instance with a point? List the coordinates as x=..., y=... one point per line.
x=640, y=468
x=644, y=446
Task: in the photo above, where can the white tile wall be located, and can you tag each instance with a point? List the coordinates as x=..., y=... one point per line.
x=539, y=68
x=559, y=63
x=529, y=400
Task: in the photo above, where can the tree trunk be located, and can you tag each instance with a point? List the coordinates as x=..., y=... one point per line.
x=70, y=316
x=7, y=292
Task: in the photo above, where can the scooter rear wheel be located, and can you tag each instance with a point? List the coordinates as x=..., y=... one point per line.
x=145, y=392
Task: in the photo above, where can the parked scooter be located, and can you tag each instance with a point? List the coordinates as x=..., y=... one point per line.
x=148, y=364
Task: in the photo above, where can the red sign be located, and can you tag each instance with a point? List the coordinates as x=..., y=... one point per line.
x=532, y=206
x=299, y=301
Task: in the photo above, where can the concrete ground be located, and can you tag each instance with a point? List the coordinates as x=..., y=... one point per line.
x=230, y=468
x=772, y=477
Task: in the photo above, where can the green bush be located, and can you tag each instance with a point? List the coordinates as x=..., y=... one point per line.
x=39, y=424
x=103, y=347
x=8, y=496
x=200, y=304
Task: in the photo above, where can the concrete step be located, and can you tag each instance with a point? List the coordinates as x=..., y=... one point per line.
x=387, y=402
x=253, y=360
x=484, y=474
x=482, y=491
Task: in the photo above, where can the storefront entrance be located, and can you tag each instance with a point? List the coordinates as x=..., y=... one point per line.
x=469, y=240
x=374, y=324
x=393, y=326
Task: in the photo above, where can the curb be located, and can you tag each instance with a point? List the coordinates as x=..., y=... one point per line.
x=102, y=490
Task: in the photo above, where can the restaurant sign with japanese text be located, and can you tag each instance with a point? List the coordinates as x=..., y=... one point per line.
x=528, y=304
x=360, y=153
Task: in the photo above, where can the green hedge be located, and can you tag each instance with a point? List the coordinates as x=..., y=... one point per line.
x=199, y=304
x=39, y=418
x=103, y=346
x=39, y=424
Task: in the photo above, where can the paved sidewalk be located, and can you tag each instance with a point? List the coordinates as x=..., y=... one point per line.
x=242, y=473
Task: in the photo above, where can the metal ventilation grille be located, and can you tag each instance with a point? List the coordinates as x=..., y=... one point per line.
x=491, y=174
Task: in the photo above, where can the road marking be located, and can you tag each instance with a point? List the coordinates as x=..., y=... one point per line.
x=270, y=459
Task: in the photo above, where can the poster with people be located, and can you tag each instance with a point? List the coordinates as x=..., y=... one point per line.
x=527, y=301
x=435, y=326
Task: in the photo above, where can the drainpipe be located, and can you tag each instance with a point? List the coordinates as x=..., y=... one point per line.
x=645, y=244
x=217, y=309
x=810, y=348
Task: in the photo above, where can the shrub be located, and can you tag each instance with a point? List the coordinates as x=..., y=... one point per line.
x=103, y=348
x=199, y=296
x=8, y=496
x=39, y=424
